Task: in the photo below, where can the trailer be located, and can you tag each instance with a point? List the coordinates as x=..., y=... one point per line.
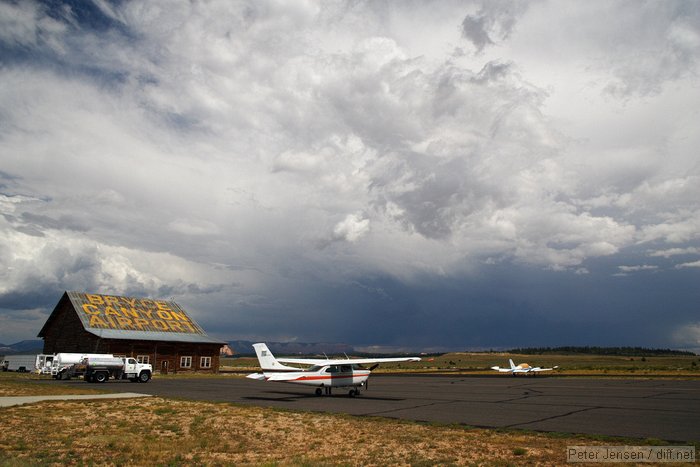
x=21, y=363
x=101, y=369
x=63, y=364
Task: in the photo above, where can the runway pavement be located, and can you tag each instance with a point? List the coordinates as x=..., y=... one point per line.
x=663, y=409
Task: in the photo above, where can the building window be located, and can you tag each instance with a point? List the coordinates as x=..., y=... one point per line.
x=143, y=358
x=205, y=362
x=185, y=362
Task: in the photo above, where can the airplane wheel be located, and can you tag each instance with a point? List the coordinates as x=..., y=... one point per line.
x=319, y=391
x=352, y=393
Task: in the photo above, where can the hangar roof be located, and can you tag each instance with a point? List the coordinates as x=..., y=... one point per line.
x=117, y=317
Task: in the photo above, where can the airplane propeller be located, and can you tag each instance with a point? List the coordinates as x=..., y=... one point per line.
x=373, y=366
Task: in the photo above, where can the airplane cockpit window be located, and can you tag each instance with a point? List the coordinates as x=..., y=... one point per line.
x=314, y=368
x=332, y=369
x=345, y=368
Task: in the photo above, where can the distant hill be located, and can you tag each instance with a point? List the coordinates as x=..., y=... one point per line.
x=292, y=348
x=29, y=347
x=621, y=351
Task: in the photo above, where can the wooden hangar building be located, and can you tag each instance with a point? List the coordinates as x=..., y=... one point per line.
x=158, y=332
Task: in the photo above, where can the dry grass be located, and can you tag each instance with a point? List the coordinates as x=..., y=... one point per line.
x=26, y=384
x=158, y=431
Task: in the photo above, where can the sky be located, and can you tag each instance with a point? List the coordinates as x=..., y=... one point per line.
x=391, y=175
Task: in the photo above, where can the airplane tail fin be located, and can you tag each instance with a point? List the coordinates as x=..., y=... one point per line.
x=265, y=357
x=512, y=365
x=268, y=362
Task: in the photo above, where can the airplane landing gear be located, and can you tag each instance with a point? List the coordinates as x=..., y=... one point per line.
x=354, y=392
x=319, y=391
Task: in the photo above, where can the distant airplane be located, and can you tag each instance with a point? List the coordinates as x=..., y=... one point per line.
x=324, y=374
x=522, y=368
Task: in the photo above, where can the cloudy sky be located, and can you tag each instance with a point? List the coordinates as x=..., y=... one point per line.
x=401, y=174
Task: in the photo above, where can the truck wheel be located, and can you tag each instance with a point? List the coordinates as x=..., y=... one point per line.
x=144, y=377
x=100, y=377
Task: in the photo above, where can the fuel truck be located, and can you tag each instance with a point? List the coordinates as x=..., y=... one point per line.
x=101, y=369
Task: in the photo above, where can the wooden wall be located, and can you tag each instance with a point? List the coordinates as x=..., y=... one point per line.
x=66, y=333
x=166, y=356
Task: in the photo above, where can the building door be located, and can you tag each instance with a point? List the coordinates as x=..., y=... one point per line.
x=164, y=367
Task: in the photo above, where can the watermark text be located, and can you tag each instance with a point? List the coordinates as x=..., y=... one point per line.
x=630, y=454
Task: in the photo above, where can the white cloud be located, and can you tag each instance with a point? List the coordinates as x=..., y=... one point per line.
x=693, y=264
x=193, y=227
x=688, y=335
x=667, y=253
x=59, y=260
x=352, y=228
x=678, y=228
x=637, y=268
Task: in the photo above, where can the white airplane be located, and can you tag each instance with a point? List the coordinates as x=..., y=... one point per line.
x=323, y=374
x=522, y=368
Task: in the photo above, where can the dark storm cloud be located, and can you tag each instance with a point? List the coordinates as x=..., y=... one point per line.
x=443, y=191
x=503, y=307
x=494, y=21
x=62, y=223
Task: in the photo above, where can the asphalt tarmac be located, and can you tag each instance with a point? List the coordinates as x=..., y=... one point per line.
x=662, y=409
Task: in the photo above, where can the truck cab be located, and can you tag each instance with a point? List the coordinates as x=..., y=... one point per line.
x=135, y=371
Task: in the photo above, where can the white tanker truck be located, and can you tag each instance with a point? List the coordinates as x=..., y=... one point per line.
x=63, y=364
x=100, y=369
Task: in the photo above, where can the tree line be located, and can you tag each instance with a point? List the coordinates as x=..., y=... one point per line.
x=593, y=350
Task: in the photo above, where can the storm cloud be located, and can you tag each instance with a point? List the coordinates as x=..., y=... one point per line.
x=406, y=174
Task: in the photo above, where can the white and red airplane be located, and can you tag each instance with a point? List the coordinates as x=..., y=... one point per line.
x=323, y=374
x=522, y=368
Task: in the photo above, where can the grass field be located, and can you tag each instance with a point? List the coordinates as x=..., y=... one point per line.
x=158, y=431
x=480, y=363
x=17, y=384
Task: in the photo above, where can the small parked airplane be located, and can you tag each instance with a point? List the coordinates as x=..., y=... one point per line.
x=323, y=374
x=522, y=368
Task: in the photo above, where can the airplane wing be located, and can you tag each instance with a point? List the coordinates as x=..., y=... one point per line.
x=276, y=376
x=346, y=361
x=537, y=369
x=291, y=376
x=501, y=370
